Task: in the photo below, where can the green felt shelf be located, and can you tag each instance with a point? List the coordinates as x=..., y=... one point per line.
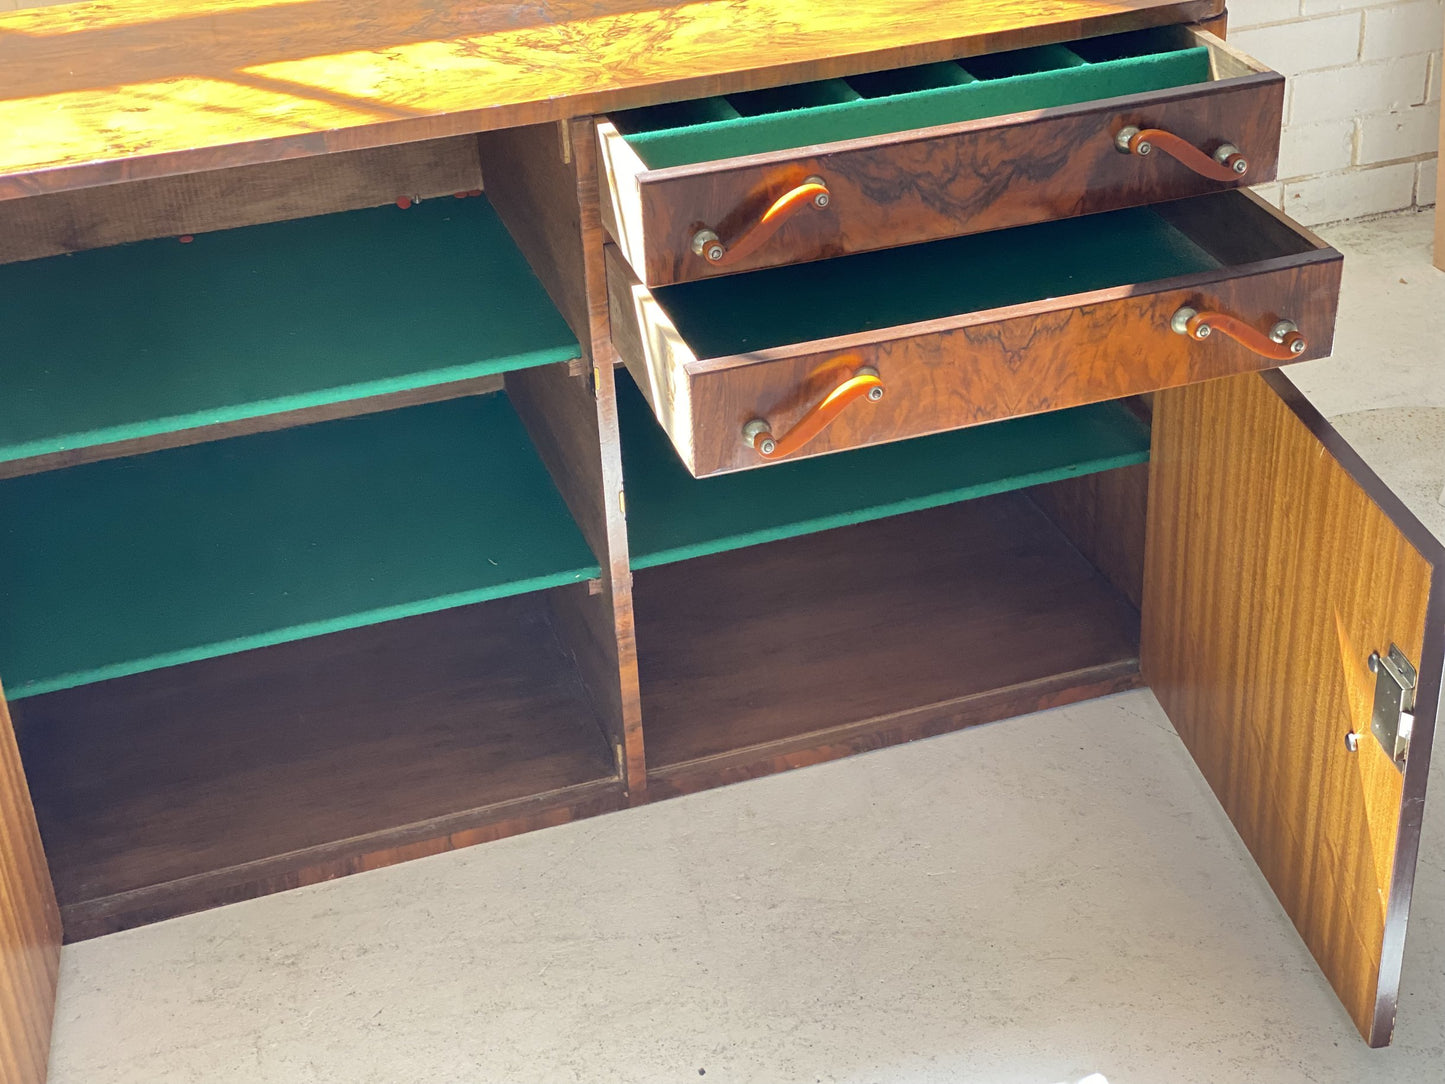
x=777, y=306
x=137, y=340
x=881, y=102
x=128, y=565
x=672, y=516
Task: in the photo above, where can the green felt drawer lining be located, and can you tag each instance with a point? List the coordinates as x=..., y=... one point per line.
x=921, y=97
x=779, y=306
x=159, y=336
x=133, y=564
x=672, y=516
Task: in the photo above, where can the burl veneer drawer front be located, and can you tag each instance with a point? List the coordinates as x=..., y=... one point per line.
x=707, y=187
x=787, y=362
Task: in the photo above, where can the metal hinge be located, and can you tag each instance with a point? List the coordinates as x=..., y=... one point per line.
x=1393, y=717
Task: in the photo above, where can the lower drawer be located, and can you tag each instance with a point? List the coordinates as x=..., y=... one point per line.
x=789, y=362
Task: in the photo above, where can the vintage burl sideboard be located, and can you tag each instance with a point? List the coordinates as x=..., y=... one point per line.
x=425, y=422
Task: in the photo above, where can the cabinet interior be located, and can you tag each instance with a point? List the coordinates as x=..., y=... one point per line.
x=801, y=650
x=217, y=780
x=268, y=623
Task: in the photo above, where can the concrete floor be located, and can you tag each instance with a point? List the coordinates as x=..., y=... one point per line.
x=1050, y=899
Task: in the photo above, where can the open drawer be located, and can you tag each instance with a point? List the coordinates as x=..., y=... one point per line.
x=837, y=354
x=705, y=187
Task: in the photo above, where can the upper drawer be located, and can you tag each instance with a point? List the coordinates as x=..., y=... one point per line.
x=702, y=188
x=825, y=356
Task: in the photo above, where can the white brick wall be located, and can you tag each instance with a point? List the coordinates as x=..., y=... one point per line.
x=1362, y=108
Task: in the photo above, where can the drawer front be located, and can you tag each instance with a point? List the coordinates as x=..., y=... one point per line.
x=969, y=368
x=917, y=185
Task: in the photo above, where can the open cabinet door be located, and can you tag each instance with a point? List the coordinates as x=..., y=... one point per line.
x=1276, y=564
x=29, y=926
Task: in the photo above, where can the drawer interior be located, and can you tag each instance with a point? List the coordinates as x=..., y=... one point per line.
x=779, y=306
x=877, y=103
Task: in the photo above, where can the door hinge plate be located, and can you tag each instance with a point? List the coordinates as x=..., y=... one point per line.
x=1393, y=716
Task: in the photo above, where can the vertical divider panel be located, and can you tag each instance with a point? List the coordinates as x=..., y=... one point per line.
x=545, y=190
x=29, y=925
x=1103, y=516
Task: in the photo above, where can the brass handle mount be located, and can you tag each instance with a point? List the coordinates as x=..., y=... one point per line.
x=865, y=383
x=1228, y=162
x=712, y=248
x=1283, y=342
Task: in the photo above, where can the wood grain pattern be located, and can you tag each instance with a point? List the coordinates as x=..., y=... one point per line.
x=29, y=926
x=939, y=182
x=203, y=784
x=1218, y=25
x=533, y=187
x=50, y=225
x=1103, y=515
x=798, y=651
x=1023, y=359
x=266, y=423
x=1276, y=563
x=565, y=421
x=544, y=188
x=96, y=93
x=910, y=724
x=127, y=910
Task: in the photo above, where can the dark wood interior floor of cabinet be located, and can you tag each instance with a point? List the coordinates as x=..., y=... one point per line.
x=802, y=650
x=185, y=788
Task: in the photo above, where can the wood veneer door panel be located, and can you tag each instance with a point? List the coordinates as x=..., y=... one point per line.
x=1276, y=562
x=914, y=186
x=29, y=925
x=964, y=370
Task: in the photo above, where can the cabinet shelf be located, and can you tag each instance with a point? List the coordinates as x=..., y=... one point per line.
x=874, y=634
x=133, y=564
x=673, y=516
x=138, y=341
x=165, y=793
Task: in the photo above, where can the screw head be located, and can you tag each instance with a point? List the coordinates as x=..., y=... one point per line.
x=875, y=393
x=707, y=245
x=768, y=447
x=1203, y=331
x=1241, y=165
x=820, y=200
x=1297, y=347
x=1143, y=147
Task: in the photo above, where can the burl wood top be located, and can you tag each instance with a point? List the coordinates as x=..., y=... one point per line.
x=95, y=93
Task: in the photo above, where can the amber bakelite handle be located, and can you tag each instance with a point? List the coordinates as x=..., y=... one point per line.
x=707, y=244
x=1283, y=342
x=1228, y=163
x=865, y=383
